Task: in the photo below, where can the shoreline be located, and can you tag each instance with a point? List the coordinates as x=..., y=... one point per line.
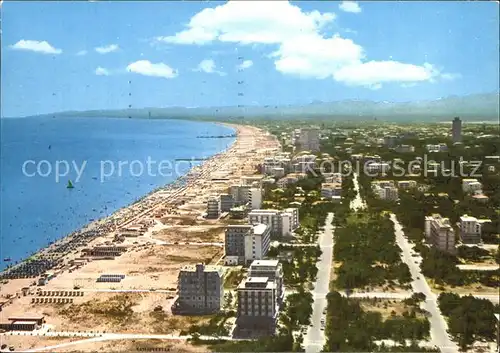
x=108, y=223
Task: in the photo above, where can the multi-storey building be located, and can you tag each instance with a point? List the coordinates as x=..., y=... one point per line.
x=294, y=212
x=471, y=229
x=245, y=243
x=471, y=186
x=456, y=130
x=375, y=167
x=290, y=179
x=249, y=180
x=240, y=194
x=257, y=305
x=255, y=198
x=213, y=208
x=330, y=190
x=226, y=202
x=332, y=177
x=200, y=288
x=385, y=190
x=271, y=269
x=439, y=232
x=282, y=223
x=308, y=140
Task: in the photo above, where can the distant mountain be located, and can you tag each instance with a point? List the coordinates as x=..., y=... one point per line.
x=479, y=107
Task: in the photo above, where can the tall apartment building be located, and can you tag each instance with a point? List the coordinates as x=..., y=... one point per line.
x=201, y=288
x=257, y=305
x=272, y=270
x=245, y=243
x=226, y=202
x=282, y=223
x=255, y=197
x=308, y=140
x=456, y=130
x=213, y=208
x=471, y=229
x=240, y=194
x=439, y=232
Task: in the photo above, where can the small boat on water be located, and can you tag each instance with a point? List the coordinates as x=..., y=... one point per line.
x=7, y=259
x=70, y=185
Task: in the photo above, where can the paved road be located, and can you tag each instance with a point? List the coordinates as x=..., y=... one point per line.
x=478, y=267
x=358, y=202
x=105, y=290
x=439, y=327
x=315, y=337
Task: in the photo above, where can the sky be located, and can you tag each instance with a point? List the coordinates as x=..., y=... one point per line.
x=60, y=56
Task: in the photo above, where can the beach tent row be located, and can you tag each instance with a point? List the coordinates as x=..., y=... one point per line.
x=51, y=300
x=110, y=278
x=60, y=293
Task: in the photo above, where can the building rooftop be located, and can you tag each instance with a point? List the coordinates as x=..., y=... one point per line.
x=264, y=263
x=204, y=268
x=259, y=229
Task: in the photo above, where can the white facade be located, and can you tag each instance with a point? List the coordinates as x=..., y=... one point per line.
x=471, y=186
x=255, y=198
x=271, y=269
x=471, y=228
x=240, y=194
x=376, y=167
x=282, y=223
x=245, y=243
x=385, y=190
x=439, y=232
x=329, y=190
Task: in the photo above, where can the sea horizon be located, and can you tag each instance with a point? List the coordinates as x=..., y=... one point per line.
x=39, y=210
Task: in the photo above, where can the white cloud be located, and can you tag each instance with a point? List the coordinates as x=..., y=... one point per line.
x=107, y=49
x=301, y=46
x=245, y=64
x=450, y=76
x=378, y=72
x=350, y=6
x=101, y=71
x=208, y=66
x=250, y=22
x=36, y=46
x=147, y=68
x=315, y=56
x=81, y=53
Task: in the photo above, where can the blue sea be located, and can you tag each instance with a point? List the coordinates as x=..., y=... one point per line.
x=37, y=208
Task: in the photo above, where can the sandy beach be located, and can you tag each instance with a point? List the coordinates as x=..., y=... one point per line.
x=166, y=230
